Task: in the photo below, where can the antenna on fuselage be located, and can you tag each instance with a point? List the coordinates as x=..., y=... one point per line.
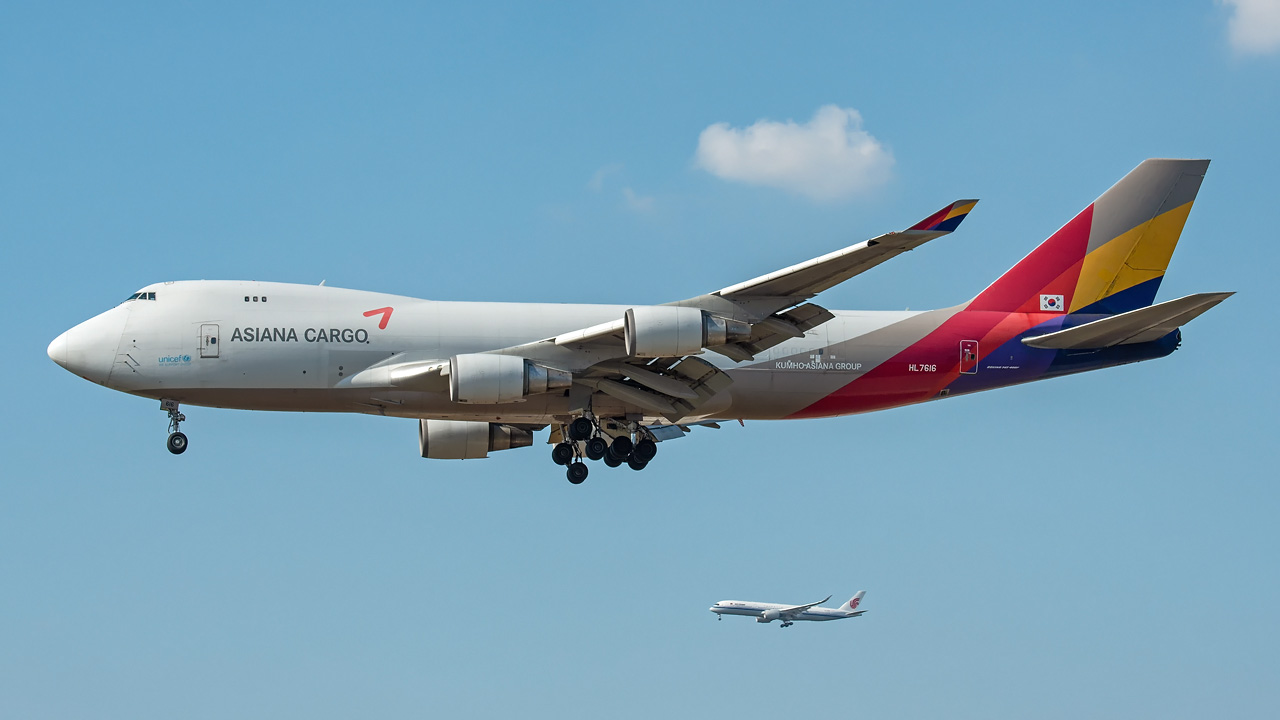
x=322, y=282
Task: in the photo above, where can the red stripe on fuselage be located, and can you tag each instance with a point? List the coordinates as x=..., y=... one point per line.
x=923, y=369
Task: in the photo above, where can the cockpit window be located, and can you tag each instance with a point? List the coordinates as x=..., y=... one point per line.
x=141, y=296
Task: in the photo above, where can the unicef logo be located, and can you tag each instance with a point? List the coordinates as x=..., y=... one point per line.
x=174, y=360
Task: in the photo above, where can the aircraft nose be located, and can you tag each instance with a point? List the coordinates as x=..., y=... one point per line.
x=58, y=350
x=89, y=349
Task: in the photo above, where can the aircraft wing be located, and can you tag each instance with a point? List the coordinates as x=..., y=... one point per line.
x=775, y=303
x=747, y=318
x=797, y=609
x=811, y=277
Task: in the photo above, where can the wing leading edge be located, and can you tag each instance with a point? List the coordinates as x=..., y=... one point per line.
x=806, y=279
x=797, y=609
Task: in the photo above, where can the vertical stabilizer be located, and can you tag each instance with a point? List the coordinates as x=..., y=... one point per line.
x=1111, y=257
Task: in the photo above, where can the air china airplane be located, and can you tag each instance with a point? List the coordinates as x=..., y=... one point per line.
x=613, y=380
x=788, y=614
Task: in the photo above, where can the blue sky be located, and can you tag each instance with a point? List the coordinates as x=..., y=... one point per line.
x=1100, y=545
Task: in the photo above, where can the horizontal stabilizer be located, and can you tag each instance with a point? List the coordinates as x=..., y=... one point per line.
x=1136, y=326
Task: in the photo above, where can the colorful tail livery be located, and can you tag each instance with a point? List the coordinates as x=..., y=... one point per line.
x=1080, y=301
x=1111, y=257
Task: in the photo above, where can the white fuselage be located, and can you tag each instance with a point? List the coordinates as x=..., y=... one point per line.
x=758, y=609
x=277, y=346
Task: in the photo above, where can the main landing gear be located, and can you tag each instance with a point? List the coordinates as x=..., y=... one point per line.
x=177, y=442
x=587, y=441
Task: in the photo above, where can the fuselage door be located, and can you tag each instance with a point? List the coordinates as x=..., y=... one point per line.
x=208, y=341
x=968, y=357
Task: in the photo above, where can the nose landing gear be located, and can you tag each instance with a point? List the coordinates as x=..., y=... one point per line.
x=177, y=442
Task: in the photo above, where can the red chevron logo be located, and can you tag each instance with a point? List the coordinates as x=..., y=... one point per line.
x=386, y=316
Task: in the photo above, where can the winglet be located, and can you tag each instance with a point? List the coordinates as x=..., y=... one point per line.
x=946, y=219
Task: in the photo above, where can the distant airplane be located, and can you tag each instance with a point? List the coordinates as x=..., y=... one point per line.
x=612, y=381
x=788, y=614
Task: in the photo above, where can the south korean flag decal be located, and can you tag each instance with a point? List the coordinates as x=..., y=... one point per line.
x=1052, y=303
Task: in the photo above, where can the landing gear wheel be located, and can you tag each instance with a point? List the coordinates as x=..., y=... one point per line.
x=635, y=463
x=645, y=450
x=577, y=472
x=621, y=448
x=177, y=443
x=611, y=461
x=581, y=429
x=562, y=454
x=597, y=447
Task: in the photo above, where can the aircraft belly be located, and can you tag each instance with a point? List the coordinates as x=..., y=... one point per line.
x=393, y=403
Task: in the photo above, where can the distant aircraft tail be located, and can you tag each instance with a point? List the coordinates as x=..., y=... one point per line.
x=1111, y=257
x=851, y=607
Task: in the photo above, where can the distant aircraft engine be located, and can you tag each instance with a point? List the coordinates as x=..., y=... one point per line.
x=768, y=616
x=466, y=440
x=669, y=331
x=484, y=378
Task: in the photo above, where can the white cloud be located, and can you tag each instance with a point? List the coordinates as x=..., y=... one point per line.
x=631, y=199
x=639, y=203
x=1254, y=27
x=828, y=158
x=596, y=183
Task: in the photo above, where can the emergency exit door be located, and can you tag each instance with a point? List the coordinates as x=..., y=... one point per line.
x=208, y=341
x=968, y=357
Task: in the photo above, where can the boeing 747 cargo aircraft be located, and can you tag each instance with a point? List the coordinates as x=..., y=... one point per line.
x=789, y=614
x=611, y=381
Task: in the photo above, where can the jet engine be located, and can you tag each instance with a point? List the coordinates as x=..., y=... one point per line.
x=485, y=378
x=666, y=331
x=467, y=440
x=769, y=616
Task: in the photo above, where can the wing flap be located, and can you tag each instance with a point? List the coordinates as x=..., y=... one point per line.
x=652, y=402
x=652, y=380
x=1136, y=326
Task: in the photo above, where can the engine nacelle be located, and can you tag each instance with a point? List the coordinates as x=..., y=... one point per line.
x=769, y=616
x=665, y=330
x=485, y=378
x=467, y=440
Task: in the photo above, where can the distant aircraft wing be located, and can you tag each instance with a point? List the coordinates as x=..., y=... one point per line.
x=797, y=609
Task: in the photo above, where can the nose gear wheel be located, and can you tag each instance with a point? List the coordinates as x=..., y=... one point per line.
x=177, y=442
